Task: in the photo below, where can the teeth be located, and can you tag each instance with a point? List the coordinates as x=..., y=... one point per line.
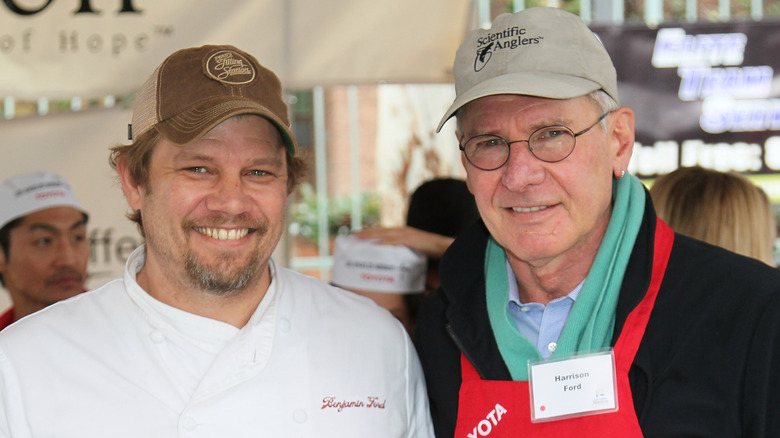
x=528, y=210
x=223, y=234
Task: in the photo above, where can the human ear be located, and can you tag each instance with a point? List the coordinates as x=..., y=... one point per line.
x=621, y=139
x=2, y=262
x=133, y=191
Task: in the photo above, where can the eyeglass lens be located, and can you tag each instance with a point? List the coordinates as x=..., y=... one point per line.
x=488, y=152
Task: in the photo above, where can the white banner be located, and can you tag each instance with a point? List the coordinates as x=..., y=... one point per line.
x=92, y=48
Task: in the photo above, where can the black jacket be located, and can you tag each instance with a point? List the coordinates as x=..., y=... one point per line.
x=709, y=362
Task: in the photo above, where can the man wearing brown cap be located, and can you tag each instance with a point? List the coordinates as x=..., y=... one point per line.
x=571, y=310
x=206, y=336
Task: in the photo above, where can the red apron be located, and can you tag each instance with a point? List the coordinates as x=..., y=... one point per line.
x=498, y=408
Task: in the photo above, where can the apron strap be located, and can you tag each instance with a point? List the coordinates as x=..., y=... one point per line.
x=468, y=372
x=636, y=322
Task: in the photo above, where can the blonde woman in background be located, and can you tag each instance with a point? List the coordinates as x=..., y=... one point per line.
x=724, y=209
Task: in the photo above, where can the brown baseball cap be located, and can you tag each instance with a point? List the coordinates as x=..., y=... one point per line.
x=196, y=89
x=541, y=51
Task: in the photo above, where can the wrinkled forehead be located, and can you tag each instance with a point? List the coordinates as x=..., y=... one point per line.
x=243, y=127
x=262, y=128
x=489, y=109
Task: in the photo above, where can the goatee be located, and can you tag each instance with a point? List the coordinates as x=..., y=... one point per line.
x=220, y=279
x=223, y=278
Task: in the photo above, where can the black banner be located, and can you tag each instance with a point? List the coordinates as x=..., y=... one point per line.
x=704, y=94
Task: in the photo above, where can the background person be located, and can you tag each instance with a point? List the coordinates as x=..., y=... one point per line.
x=391, y=275
x=721, y=208
x=205, y=335
x=571, y=286
x=43, y=244
x=439, y=210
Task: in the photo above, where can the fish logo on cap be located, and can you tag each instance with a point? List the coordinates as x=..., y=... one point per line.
x=483, y=56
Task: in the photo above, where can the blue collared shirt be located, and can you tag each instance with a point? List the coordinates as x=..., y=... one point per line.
x=540, y=324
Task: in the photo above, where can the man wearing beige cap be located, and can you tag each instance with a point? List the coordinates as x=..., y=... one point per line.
x=571, y=310
x=43, y=243
x=205, y=336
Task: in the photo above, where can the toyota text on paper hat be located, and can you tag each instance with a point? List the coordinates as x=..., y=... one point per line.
x=541, y=52
x=362, y=264
x=196, y=89
x=30, y=192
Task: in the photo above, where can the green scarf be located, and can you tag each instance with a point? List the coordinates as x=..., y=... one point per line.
x=592, y=319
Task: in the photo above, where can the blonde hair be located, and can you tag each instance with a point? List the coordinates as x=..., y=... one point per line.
x=724, y=209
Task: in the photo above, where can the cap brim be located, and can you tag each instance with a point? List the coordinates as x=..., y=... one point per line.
x=537, y=84
x=198, y=120
x=5, y=220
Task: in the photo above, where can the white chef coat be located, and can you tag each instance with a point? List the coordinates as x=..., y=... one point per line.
x=313, y=361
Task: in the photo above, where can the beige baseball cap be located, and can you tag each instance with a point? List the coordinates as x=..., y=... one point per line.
x=196, y=89
x=541, y=51
x=27, y=193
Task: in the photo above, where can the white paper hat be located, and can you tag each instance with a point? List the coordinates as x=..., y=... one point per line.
x=363, y=264
x=30, y=192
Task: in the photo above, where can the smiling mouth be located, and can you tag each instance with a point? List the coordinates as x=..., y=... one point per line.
x=528, y=209
x=222, y=233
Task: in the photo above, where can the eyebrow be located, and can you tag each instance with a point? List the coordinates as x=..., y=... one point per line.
x=273, y=161
x=184, y=155
x=546, y=123
x=51, y=228
x=532, y=127
x=187, y=155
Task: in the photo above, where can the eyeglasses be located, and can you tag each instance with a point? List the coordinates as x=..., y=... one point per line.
x=549, y=144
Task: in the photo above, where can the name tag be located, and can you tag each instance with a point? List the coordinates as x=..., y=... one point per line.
x=574, y=387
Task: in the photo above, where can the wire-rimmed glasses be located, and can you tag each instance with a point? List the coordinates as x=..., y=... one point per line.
x=549, y=144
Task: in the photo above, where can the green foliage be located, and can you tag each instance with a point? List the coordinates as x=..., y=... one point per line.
x=304, y=213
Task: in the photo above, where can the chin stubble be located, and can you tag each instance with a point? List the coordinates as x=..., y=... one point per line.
x=220, y=280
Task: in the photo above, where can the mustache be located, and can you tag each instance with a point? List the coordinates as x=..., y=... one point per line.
x=259, y=225
x=66, y=274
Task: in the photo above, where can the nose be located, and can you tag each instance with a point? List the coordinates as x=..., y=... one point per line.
x=228, y=196
x=68, y=252
x=522, y=168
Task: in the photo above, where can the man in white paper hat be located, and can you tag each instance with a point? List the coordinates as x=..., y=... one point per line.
x=572, y=310
x=44, y=249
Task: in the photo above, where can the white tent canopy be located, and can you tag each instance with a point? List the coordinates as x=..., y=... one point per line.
x=92, y=48
x=59, y=50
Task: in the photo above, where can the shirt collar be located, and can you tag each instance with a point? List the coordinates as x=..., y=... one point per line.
x=514, y=292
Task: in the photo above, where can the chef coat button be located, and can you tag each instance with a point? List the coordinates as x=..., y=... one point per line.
x=190, y=423
x=157, y=336
x=284, y=324
x=551, y=347
x=299, y=416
